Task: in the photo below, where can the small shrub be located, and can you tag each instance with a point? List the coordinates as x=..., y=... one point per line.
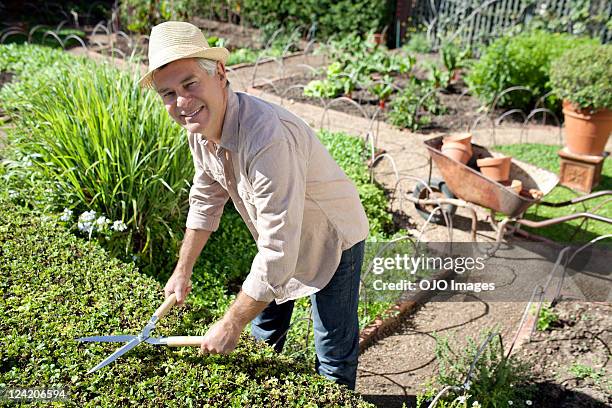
x=413, y=106
x=418, y=42
x=522, y=60
x=494, y=381
x=584, y=77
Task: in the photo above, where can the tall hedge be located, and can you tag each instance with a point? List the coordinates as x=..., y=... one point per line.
x=56, y=287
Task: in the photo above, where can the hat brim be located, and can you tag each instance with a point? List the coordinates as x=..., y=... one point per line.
x=214, y=53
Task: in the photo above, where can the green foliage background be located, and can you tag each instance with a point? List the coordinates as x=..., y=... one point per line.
x=331, y=17
x=521, y=60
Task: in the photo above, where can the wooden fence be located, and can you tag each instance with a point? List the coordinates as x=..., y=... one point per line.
x=477, y=22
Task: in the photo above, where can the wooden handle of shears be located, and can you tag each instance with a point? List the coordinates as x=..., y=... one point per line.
x=180, y=341
x=166, y=306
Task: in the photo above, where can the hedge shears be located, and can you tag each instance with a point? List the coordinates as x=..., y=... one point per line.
x=144, y=336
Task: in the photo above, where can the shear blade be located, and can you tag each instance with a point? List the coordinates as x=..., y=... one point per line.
x=120, y=351
x=108, y=339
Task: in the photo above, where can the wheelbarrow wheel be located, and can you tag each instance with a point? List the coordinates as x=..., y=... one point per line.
x=439, y=189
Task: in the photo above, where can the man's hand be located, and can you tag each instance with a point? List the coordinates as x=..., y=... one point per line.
x=179, y=283
x=222, y=337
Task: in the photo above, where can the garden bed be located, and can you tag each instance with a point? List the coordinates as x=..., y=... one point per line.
x=571, y=359
x=460, y=108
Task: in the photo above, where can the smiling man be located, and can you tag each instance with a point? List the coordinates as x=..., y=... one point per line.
x=302, y=210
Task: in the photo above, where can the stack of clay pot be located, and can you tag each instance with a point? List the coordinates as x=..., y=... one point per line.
x=496, y=168
x=458, y=147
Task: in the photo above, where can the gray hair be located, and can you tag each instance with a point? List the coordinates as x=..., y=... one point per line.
x=208, y=65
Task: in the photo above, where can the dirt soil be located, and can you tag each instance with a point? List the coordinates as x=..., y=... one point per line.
x=461, y=108
x=581, y=340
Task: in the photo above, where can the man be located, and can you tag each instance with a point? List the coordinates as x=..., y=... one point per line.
x=300, y=207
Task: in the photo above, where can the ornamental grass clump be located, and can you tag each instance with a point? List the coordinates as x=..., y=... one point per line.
x=56, y=287
x=104, y=145
x=584, y=77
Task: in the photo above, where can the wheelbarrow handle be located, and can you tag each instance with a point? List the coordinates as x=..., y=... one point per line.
x=184, y=341
x=166, y=306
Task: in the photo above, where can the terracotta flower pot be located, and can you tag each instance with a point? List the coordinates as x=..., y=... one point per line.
x=465, y=138
x=587, y=133
x=495, y=168
x=457, y=151
x=458, y=147
x=379, y=38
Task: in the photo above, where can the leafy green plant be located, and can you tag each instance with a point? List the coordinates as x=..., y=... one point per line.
x=582, y=372
x=584, y=77
x=354, y=62
x=521, y=60
x=336, y=82
x=382, y=89
x=439, y=78
x=417, y=42
x=494, y=379
x=454, y=57
x=412, y=107
x=547, y=318
x=57, y=287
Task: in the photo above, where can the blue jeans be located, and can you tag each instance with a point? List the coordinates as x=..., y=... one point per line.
x=335, y=321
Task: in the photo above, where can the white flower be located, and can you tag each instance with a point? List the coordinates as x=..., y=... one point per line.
x=66, y=215
x=119, y=226
x=510, y=403
x=528, y=402
x=87, y=216
x=467, y=385
x=461, y=399
x=476, y=404
x=85, y=227
x=102, y=221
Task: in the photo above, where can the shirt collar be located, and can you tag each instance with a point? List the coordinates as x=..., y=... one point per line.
x=231, y=126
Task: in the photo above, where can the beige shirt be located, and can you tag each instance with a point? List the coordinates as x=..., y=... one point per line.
x=300, y=207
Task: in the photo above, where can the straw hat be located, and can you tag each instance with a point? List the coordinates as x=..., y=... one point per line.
x=175, y=40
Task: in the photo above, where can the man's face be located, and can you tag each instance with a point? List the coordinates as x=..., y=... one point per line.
x=193, y=98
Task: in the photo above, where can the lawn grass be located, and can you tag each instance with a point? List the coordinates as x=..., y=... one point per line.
x=545, y=156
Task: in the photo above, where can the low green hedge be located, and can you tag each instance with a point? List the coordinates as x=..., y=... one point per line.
x=57, y=287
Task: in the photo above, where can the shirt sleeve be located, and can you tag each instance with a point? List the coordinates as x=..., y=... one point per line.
x=278, y=177
x=206, y=201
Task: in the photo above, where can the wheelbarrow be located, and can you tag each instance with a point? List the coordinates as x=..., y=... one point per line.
x=464, y=186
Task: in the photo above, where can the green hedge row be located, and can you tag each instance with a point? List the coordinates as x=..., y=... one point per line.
x=56, y=287
x=330, y=17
